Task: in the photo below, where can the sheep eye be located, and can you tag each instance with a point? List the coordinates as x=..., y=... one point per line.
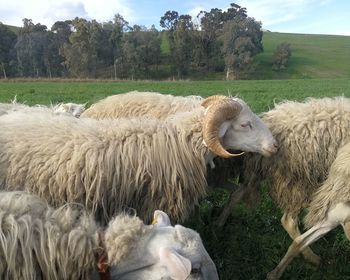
x=195, y=270
x=247, y=124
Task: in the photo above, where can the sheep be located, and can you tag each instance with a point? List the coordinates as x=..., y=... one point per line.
x=41, y=242
x=61, y=108
x=329, y=207
x=111, y=164
x=141, y=104
x=312, y=137
x=162, y=106
x=70, y=108
x=155, y=105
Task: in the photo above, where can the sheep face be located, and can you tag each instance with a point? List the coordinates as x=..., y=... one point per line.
x=70, y=108
x=168, y=253
x=247, y=132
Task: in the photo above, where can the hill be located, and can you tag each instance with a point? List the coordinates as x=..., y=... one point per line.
x=14, y=29
x=313, y=56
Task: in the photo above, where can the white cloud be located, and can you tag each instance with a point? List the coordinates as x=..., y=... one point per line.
x=269, y=12
x=194, y=13
x=272, y=12
x=104, y=10
x=48, y=11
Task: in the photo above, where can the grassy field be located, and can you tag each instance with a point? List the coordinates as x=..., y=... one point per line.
x=253, y=241
x=260, y=94
x=313, y=56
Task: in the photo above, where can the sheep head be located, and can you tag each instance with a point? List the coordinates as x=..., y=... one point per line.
x=230, y=124
x=70, y=108
x=165, y=252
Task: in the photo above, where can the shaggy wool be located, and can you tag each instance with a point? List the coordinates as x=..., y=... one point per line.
x=309, y=134
x=145, y=104
x=106, y=165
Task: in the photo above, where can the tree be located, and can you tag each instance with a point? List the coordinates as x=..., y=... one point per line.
x=281, y=56
x=61, y=30
x=117, y=29
x=141, y=49
x=183, y=44
x=212, y=28
x=7, y=43
x=242, y=40
x=181, y=37
x=208, y=52
x=32, y=43
x=81, y=53
x=169, y=20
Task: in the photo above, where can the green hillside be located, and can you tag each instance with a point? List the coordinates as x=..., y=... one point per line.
x=313, y=56
x=14, y=29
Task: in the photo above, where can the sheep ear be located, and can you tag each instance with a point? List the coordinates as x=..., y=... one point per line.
x=178, y=266
x=161, y=219
x=223, y=128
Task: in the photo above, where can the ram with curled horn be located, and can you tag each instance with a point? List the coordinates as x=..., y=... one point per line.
x=165, y=106
x=142, y=163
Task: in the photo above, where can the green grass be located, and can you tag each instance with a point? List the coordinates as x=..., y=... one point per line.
x=260, y=94
x=253, y=241
x=313, y=56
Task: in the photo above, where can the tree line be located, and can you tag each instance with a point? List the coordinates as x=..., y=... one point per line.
x=218, y=42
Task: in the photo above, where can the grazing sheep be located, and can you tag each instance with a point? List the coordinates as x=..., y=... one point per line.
x=309, y=134
x=39, y=242
x=62, y=108
x=111, y=164
x=141, y=104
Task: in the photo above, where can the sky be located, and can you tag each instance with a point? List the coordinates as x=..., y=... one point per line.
x=290, y=16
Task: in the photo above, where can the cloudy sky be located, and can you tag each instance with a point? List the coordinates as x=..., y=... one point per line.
x=295, y=16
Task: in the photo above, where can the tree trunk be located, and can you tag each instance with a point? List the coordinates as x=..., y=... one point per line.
x=115, y=70
x=3, y=70
x=49, y=70
x=230, y=74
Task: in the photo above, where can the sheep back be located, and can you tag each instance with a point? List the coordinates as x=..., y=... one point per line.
x=141, y=104
x=106, y=165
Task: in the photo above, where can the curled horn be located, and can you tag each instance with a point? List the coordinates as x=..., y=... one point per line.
x=219, y=109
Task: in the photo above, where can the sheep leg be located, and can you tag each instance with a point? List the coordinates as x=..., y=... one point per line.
x=290, y=224
x=346, y=227
x=299, y=244
x=234, y=198
x=230, y=186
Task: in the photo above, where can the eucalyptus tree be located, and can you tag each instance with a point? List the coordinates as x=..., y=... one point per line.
x=242, y=41
x=32, y=43
x=141, y=49
x=82, y=52
x=180, y=31
x=7, y=42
